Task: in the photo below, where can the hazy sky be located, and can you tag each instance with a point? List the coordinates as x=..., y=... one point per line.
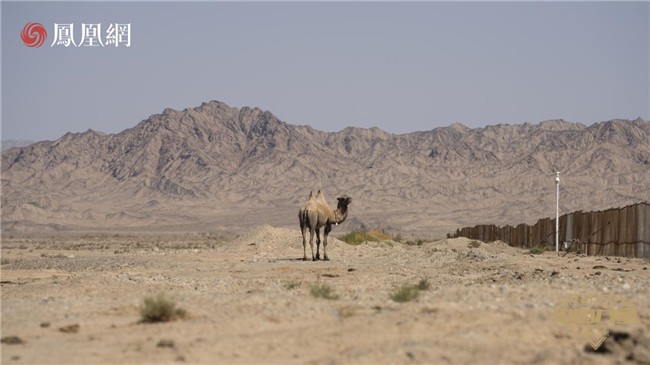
x=398, y=66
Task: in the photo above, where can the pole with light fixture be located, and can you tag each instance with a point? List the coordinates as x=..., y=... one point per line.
x=557, y=212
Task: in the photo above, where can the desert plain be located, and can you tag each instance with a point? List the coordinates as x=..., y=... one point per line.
x=249, y=299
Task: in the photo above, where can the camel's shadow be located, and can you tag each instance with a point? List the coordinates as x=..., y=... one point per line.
x=288, y=259
x=292, y=259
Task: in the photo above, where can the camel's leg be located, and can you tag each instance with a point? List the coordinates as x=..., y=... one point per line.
x=303, y=229
x=303, y=226
x=311, y=242
x=328, y=228
x=318, y=244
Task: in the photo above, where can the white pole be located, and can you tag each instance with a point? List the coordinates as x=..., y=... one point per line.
x=557, y=212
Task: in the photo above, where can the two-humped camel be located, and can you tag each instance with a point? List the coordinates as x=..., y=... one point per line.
x=314, y=215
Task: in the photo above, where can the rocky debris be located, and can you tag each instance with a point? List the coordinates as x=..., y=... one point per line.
x=72, y=328
x=12, y=340
x=475, y=255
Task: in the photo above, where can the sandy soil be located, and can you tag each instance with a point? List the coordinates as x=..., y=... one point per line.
x=249, y=301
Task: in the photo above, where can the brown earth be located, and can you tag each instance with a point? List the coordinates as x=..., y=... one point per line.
x=248, y=301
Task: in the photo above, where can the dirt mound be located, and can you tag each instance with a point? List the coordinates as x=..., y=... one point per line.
x=267, y=242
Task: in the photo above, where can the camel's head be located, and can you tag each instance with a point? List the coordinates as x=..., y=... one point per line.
x=344, y=201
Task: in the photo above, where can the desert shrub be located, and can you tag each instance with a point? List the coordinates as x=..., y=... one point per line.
x=474, y=244
x=372, y=235
x=379, y=234
x=320, y=290
x=536, y=250
x=292, y=285
x=405, y=293
x=417, y=242
x=355, y=237
x=398, y=237
x=424, y=284
x=160, y=309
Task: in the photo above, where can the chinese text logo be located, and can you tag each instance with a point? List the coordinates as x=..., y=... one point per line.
x=91, y=35
x=33, y=35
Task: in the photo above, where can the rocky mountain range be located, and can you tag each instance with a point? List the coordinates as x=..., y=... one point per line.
x=216, y=167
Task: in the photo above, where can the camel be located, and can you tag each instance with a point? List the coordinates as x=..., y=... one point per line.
x=314, y=215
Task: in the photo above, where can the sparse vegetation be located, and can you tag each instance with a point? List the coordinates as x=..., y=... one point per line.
x=12, y=340
x=536, y=251
x=379, y=235
x=57, y=256
x=292, y=284
x=417, y=242
x=474, y=244
x=165, y=342
x=358, y=237
x=321, y=290
x=160, y=309
x=424, y=284
x=409, y=292
x=405, y=293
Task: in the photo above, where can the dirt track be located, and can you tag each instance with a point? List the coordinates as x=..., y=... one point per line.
x=249, y=301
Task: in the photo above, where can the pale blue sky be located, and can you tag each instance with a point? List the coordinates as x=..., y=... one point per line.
x=398, y=66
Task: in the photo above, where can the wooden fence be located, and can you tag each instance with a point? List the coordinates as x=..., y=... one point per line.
x=613, y=232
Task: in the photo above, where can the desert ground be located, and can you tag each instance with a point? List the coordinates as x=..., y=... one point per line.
x=76, y=299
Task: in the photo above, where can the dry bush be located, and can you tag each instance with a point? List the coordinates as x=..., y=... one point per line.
x=358, y=237
x=320, y=290
x=379, y=234
x=292, y=284
x=405, y=293
x=423, y=284
x=417, y=242
x=160, y=309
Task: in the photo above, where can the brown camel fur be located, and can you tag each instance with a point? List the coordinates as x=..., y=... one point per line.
x=314, y=215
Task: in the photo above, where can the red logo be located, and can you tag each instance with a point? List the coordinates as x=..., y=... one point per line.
x=33, y=34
